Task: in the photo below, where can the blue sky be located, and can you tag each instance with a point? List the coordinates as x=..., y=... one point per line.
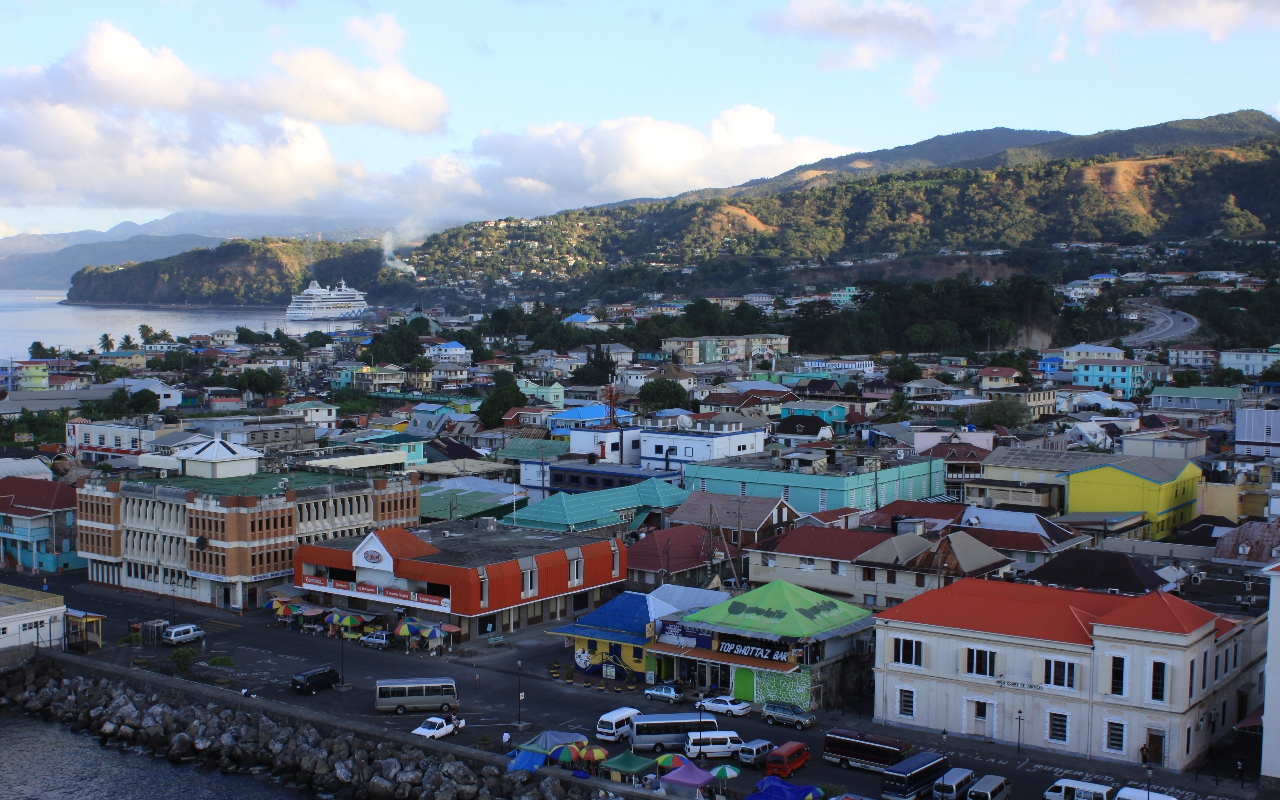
x=425, y=113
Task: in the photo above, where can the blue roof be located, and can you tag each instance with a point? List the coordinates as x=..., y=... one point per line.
x=453, y=346
x=588, y=412
x=624, y=619
x=432, y=407
x=638, y=640
x=579, y=317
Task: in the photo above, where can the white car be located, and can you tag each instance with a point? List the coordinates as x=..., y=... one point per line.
x=437, y=728
x=724, y=705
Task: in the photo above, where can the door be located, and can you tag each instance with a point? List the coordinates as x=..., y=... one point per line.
x=981, y=724
x=1155, y=747
x=252, y=601
x=226, y=597
x=744, y=685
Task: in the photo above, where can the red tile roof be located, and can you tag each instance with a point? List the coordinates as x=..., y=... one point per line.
x=833, y=514
x=881, y=517
x=32, y=497
x=998, y=372
x=689, y=548
x=812, y=541
x=399, y=543
x=1039, y=612
x=956, y=452
x=1022, y=541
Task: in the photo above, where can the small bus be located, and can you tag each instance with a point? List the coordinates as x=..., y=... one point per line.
x=863, y=750
x=616, y=724
x=913, y=776
x=662, y=732
x=416, y=694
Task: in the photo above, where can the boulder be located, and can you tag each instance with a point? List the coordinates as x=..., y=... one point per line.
x=459, y=772
x=182, y=746
x=412, y=777
x=381, y=788
x=342, y=771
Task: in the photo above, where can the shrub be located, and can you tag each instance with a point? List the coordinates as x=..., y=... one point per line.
x=133, y=638
x=221, y=661
x=182, y=658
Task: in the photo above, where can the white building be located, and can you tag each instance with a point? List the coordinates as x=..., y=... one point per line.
x=1070, y=355
x=449, y=353
x=669, y=443
x=100, y=441
x=1250, y=361
x=321, y=415
x=1081, y=673
x=30, y=617
x=169, y=396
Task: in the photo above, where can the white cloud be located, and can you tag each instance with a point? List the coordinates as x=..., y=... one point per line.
x=879, y=31
x=1098, y=19
x=117, y=124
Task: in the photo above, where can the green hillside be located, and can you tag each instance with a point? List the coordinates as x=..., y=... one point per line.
x=237, y=272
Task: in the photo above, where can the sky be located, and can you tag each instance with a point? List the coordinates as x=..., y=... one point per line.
x=419, y=114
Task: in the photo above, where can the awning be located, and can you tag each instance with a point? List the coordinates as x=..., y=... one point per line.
x=1254, y=720
x=703, y=654
x=845, y=630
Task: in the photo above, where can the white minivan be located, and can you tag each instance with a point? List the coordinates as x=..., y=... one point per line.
x=180, y=634
x=712, y=744
x=1079, y=790
x=616, y=724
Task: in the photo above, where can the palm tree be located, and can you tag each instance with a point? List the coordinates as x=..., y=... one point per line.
x=127, y=342
x=897, y=407
x=106, y=343
x=164, y=336
x=147, y=333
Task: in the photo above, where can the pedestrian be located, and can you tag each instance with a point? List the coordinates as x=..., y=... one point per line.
x=477, y=683
x=506, y=740
x=1240, y=772
x=46, y=584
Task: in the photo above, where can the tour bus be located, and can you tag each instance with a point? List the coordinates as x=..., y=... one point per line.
x=416, y=694
x=662, y=732
x=616, y=724
x=913, y=776
x=863, y=750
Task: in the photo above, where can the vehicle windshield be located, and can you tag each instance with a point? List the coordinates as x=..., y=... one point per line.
x=944, y=788
x=300, y=678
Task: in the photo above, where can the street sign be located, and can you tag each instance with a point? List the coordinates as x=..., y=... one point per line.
x=522, y=695
x=609, y=671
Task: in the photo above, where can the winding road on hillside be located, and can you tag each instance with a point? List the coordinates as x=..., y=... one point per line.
x=1162, y=324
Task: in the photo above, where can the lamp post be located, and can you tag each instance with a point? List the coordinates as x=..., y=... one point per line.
x=1019, y=719
x=944, y=740
x=1148, y=782
x=519, y=693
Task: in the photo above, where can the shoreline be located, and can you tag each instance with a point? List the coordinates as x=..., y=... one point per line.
x=168, y=306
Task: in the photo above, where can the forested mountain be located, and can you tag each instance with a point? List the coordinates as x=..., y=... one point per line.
x=54, y=270
x=238, y=272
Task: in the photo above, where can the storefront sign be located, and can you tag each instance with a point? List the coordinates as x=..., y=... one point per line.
x=754, y=651
x=432, y=600
x=312, y=580
x=341, y=585
x=399, y=594
x=364, y=588
x=209, y=576
x=609, y=671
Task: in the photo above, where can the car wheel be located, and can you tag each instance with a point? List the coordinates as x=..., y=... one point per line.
x=400, y=709
x=313, y=691
x=768, y=720
x=659, y=748
x=671, y=701
x=845, y=765
x=799, y=725
x=445, y=707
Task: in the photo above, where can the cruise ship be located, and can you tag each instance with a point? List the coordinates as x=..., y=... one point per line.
x=324, y=302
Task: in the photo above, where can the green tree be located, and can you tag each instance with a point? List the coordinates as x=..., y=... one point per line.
x=182, y=658
x=1186, y=379
x=897, y=409
x=106, y=343
x=248, y=336
x=919, y=336
x=1271, y=374
x=501, y=400
x=598, y=371
x=1001, y=411
x=903, y=370
x=146, y=333
x=38, y=350
x=127, y=343
x=660, y=394
x=1226, y=377
x=421, y=364
x=144, y=401
x=317, y=339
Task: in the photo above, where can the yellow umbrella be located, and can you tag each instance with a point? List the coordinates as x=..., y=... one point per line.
x=593, y=752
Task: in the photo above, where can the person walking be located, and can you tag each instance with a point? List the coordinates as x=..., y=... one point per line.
x=506, y=740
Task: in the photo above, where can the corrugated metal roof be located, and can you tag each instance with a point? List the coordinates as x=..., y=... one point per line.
x=597, y=509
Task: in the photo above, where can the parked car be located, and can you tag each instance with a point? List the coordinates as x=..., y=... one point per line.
x=754, y=752
x=787, y=714
x=664, y=692
x=313, y=680
x=954, y=785
x=437, y=728
x=724, y=704
x=378, y=639
x=179, y=634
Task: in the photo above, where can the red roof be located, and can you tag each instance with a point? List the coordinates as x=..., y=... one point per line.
x=399, y=543
x=812, y=541
x=956, y=452
x=1039, y=612
x=833, y=514
x=689, y=548
x=33, y=497
x=1023, y=541
x=914, y=509
x=998, y=372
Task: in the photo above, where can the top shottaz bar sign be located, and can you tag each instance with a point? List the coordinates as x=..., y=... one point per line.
x=366, y=590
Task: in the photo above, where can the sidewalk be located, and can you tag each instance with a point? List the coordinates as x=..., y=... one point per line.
x=1005, y=759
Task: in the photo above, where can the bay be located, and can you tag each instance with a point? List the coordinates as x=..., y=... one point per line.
x=45, y=761
x=28, y=316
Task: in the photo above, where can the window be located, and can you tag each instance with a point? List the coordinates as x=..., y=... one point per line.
x=1057, y=727
x=1117, y=675
x=575, y=572
x=702, y=484
x=979, y=709
x=837, y=567
x=868, y=574
x=906, y=703
x=637, y=654
x=528, y=582
x=635, y=444
x=1060, y=673
x=1159, y=673
x=688, y=451
x=786, y=494
x=1216, y=658
x=980, y=662
x=1204, y=673
x=890, y=576
x=657, y=449
x=1235, y=656
x=806, y=564
x=742, y=488
x=920, y=579
x=1191, y=684
x=909, y=652
x=768, y=560
x=1115, y=736
x=868, y=599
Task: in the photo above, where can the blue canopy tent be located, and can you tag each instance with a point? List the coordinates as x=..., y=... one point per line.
x=527, y=759
x=772, y=788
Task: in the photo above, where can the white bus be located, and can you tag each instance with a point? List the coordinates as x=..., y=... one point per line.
x=616, y=724
x=662, y=732
x=416, y=694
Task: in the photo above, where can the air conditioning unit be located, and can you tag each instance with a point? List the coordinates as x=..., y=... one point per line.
x=1248, y=586
x=1197, y=578
x=1244, y=600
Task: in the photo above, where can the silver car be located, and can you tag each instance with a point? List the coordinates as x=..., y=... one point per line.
x=787, y=714
x=664, y=692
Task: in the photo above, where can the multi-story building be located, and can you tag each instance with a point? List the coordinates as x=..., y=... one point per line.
x=713, y=349
x=224, y=541
x=100, y=441
x=1037, y=399
x=1258, y=432
x=315, y=413
x=1250, y=361
x=379, y=379
x=667, y=443
x=552, y=395
x=1196, y=398
x=1092, y=674
x=487, y=579
x=816, y=480
x=450, y=353
x=38, y=524
x=997, y=377
x=1166, y=490
x=1192, y=356
x=1098, y=352
x=1122, y=375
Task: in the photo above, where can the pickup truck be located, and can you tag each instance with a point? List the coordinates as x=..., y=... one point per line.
x=437, y=728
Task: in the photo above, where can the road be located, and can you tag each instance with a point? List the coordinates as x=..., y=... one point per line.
x=1163, y=324
x=489, y=682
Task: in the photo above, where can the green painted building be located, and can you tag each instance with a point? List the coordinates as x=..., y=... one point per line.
x=812, y=480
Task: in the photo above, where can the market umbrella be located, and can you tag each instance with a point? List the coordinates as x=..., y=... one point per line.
x=447, y=628
x=311, y=611
x=725, y=772
x=409, y=628
x=564, y=754
x=593, y=752
x=340, y=618
x=671, y=760
x=629, y=764
x=280, y=605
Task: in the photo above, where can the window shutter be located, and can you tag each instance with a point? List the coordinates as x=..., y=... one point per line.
x=1037, y=669
x=922, y=654
x=963, y=660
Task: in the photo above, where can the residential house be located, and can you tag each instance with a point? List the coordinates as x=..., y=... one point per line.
x=1196, y=398
x=604, y=513
x=1258, y=431
x=382, y=378
x=742, y=520
x=449, y=353
x=687, y=555
x=1193, y=356
x=666, y=442
x=1121, y=376
x=1167, y=490
x=552, y=395
x=1027, y=538
x=127, y=359
x=911, y=564
x=1112, y=677
x=313, y=412
x=801, y=428
x=576, y=476
x=1039, y=400
x=713, y=349
x=1098, y=571
x=38, y=524
x=963, y=464
x=997, y=377
x=1251, y=361
x=817, y=558
x=1097, y=352
x=447, y=375
x=832, y=414
x=592, y=416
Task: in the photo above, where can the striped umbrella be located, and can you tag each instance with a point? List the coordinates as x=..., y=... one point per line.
x=671, y=760
x=564, y=754
x=725, y=771
x=409, y=627
x=593, y=752
x=447, y=628
x=338, y=618
x=277, y=604
x=287, y=611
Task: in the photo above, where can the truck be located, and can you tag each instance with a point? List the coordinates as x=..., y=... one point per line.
x=437, y=728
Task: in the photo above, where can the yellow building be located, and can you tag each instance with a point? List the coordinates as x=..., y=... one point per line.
x=1166, y=490
x=612, y=640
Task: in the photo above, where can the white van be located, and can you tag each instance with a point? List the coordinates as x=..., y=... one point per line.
x=712, y=744
x=616, y=724
x=180, y=634
x=1079, y=790
x=954, y=784
x=1134, y=793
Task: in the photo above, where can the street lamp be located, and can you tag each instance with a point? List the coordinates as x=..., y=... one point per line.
x=1148, y=782
x=944, y=740
x=520, y=694
x=1019, y=719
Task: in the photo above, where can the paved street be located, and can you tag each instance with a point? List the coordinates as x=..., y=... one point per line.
x=1162, y=324
x=267, y=656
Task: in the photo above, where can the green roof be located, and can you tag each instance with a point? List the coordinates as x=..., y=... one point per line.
x=532, y=448
x=780, y=609
x=464, y=505
x=563, y=511
x=1212, y=392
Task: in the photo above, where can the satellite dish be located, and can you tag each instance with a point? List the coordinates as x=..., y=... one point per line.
x=683, y=422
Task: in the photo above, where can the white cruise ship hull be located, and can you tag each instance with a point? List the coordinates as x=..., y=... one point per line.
x=321, y=302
